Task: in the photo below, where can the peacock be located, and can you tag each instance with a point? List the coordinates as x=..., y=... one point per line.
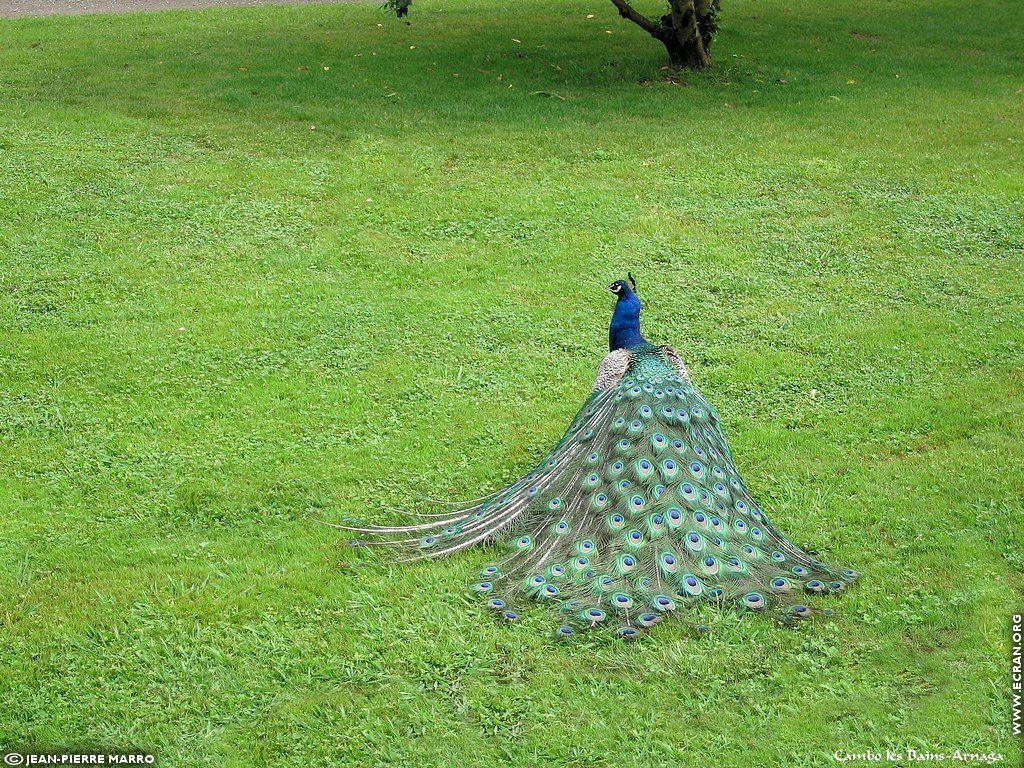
x=637, y=514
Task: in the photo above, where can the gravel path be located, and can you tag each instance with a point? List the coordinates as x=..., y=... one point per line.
x=53, y=7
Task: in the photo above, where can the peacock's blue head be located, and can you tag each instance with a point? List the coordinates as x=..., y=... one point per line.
x=621, y=288
x=624, y=330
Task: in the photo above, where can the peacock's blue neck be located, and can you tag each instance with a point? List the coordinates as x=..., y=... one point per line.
x=624, y=331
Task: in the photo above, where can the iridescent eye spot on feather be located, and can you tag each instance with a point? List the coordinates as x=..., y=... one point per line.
x=648, y=388
x=692, y=585
x=815, y=586
x=659, y=491
x=594, y=615
x=701, y=518
x=623, y=446
x=536, y=581
x=555, y=503
x=635, y=392
x=619, y=424
x=750, y=550
x=510, y=616
x=836, y=586
x=587, y=435
x=659, y=392
x=740, y=505
x=552, y=463
x=669, y=562
x=781, y=585
x=716, y=470
x=626, y=563
x=532, y=490
x=645, y=411
x=658, y=441
x=622, y=601
x=557, y=571
x=635, y=538
x=524, y=542
x=694, y=541
x=721, y=489
x=586, y=547
x=688, y=491
x=740, y=526
x=648, y=620
x=636, y=426
x=616, y=522
x=483, y=587
x=549, y=590
x=801, y=611
x=711, y=566
x=604, y=583
x=754, y=601
x=627, y=633
x=560, y=528
x=717, y=524
x=593, y=458
x=696, y=448
x=593, y=480
x=429, y=541
x=704, y=497
x=675, y=517
x=757, y=533
x=679, y=445
x=600, y=499
x=799, y=570
x=778, y=557
x=617, y=467
x=491, y=570
x=496, y=604
x=624, y=484
x=734, y=564
x=581, y=563
x=637, y=502
x=849, y=573
x=668, y=412
x=663, y=603
x=669, y=469
x=697, y=469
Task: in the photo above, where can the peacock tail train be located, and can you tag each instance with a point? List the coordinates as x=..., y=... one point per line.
x=638, y=513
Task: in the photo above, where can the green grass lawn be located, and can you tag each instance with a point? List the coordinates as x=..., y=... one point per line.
x=264, y=267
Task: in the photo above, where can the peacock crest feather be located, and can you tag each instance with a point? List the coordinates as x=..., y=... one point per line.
x=638, y=513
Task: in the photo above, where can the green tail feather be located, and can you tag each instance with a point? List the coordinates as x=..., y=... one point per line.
x=638, y=512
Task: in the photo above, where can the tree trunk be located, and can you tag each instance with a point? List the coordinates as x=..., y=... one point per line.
x=686, y=30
